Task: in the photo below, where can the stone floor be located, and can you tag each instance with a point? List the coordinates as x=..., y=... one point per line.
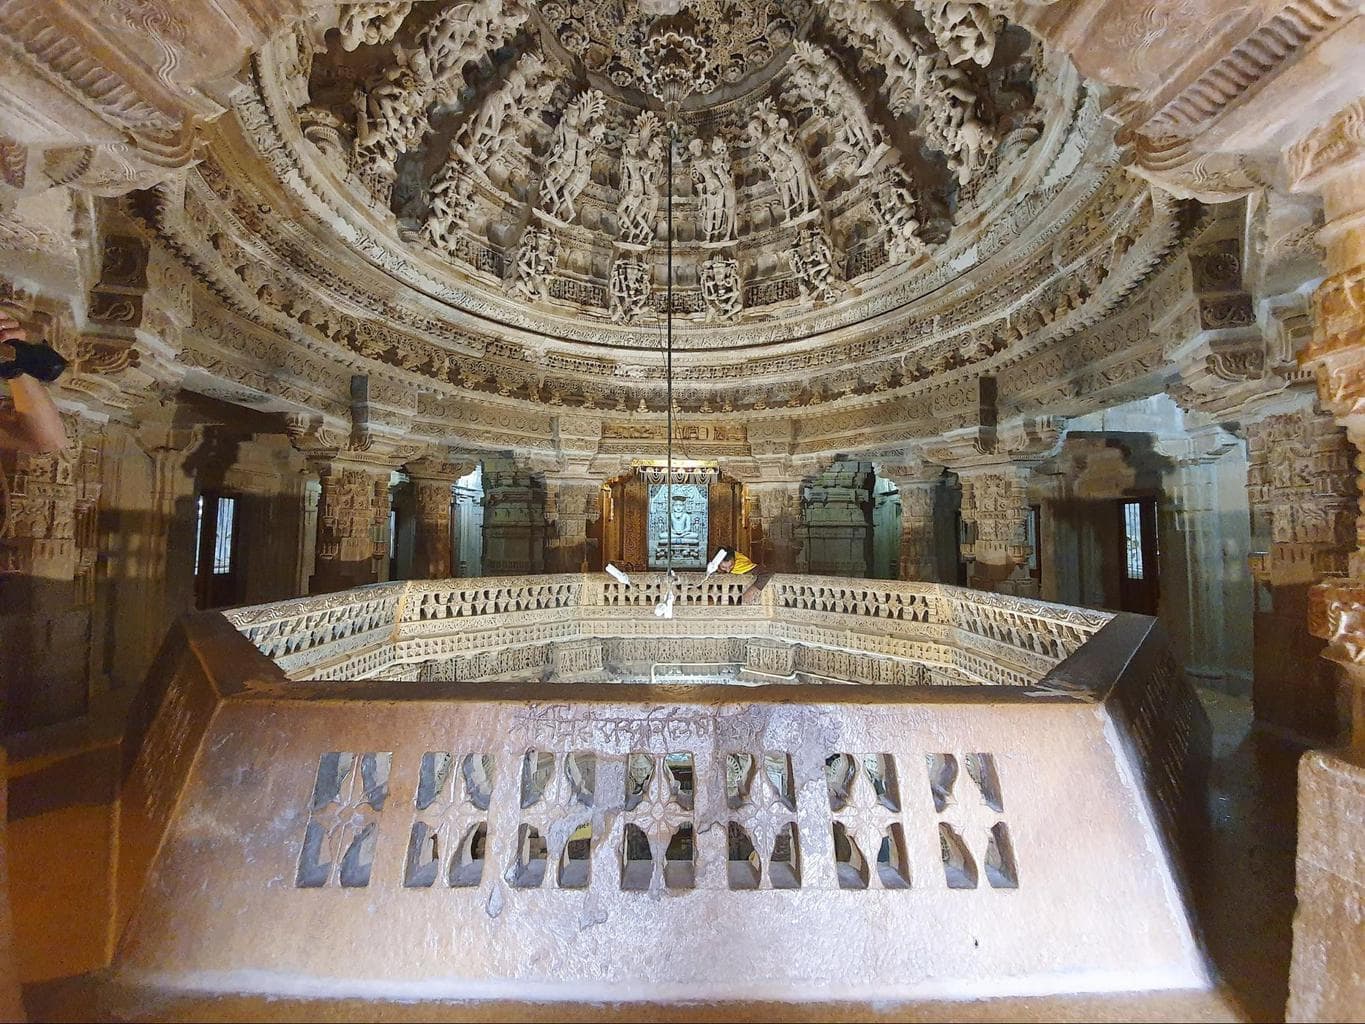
x=1243, y=877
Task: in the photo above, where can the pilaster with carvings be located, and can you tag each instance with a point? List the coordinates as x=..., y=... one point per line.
x=994, y=466
x=49, y=546
x=570, y=505
x=432, y=483
x=918, y=486
x=1302, y=494
x=1330, y=161
x=353, y=510
x=777, y=508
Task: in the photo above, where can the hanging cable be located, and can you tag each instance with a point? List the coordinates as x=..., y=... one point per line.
x=668, y=347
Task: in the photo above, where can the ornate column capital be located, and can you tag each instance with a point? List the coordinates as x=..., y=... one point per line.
x=1334, y=148
x=908, y=475
x=1330, y=161
x=437, y=469
x=1024, y=442
x=327, y=448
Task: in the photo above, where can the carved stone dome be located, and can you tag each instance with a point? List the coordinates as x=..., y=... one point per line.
x=871, y=200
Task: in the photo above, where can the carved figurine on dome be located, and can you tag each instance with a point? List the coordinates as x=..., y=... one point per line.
x=466, y=33
x=894, y=205
x=372, y=24
x=963, y=30
x=536, y=261
x=949, y=119
x=771, y=134
x=630, y=287
x=820, y=83
x=569, y=163
x=713, y=180
x=493, y=132
x=391, y=113
x=451, y=191
x=920, y=77
x=390, y=117
x=720, y=288
x=881, y=44
x=640, y=165
x=812, y=261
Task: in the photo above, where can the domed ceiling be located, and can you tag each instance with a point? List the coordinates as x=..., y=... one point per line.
x=868, y=199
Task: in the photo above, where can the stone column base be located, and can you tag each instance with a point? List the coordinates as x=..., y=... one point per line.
x=1327, y=975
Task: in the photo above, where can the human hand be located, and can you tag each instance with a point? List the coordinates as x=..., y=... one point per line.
x=10, y=330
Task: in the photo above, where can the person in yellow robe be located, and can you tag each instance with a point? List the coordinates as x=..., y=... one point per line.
x=737, y=563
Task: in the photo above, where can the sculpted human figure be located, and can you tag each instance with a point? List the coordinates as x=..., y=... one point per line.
x=640, y=166
x=569, y=164
x=629, y=287
x=965, y=30
x=771, y=133
x=714, y=180
x=685, y=525
x=391, y=112
x=720, y=288
x=451, y=192
x=925, y=78
x=466, y=33
x=535, y=263
x=494, y=131
x=820, y=83
x=372, y=24
x=879, y=39
x=895, y=207
x=487, y=138
x=812, y=263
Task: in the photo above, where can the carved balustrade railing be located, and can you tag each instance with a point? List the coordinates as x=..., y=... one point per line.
x=862, y=630
x=297, y=634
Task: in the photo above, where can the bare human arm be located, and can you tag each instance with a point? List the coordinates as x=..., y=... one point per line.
x=753, y=594
x=35, y=425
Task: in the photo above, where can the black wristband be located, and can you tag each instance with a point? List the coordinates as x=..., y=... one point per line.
x=38, y=361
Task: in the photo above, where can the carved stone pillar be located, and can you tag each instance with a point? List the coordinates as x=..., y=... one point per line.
x=1326, y=982
x=778, y=506
x=995, y=510
x=1206, y=620
x=514, y=520
x=354, y=470
x=353, y=521
x=432, y=484
x=48, y=547
x=1331, y=162
x=1301, y=492
x=918, y=487
x=838, y=520
x=570, y=505
x=994, y=463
